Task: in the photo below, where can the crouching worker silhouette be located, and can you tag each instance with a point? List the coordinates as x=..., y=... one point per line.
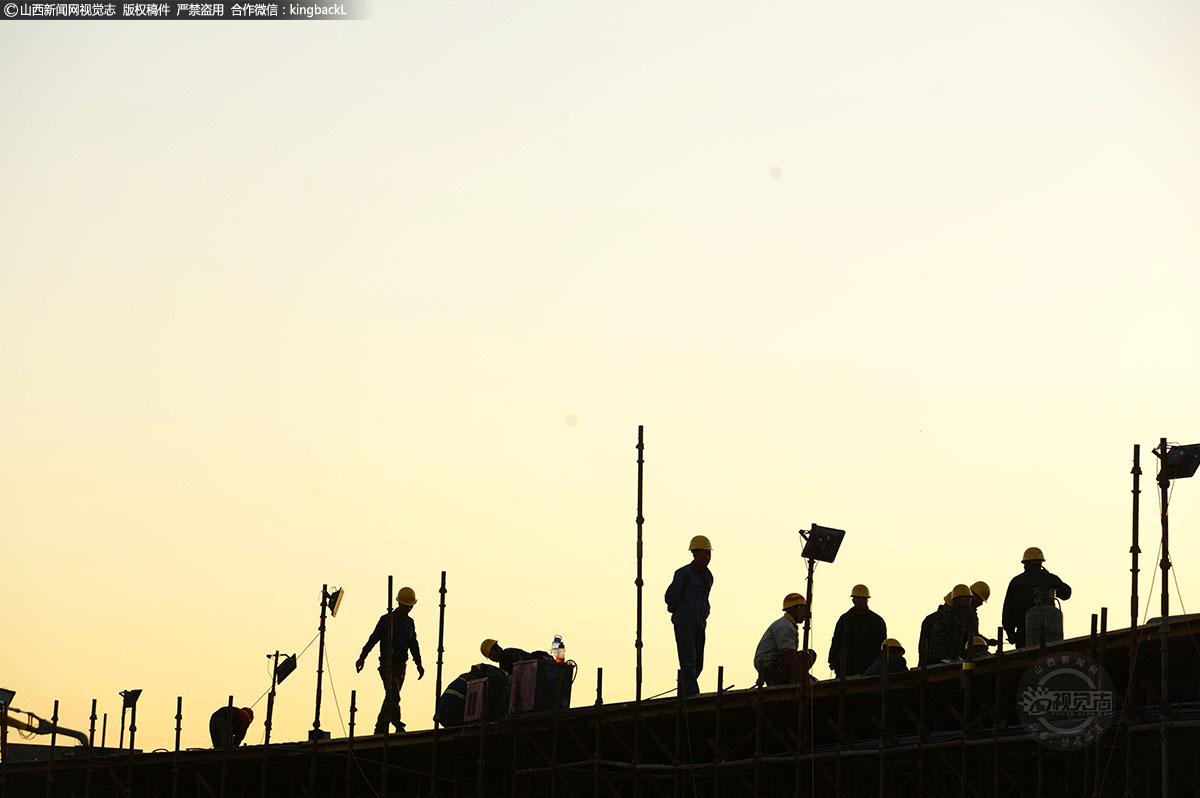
x=228, y=726
x=453, y=702
x=776, y=658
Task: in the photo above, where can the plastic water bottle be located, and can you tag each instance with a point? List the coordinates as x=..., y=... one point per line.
x=561, y=655
x=555, y=646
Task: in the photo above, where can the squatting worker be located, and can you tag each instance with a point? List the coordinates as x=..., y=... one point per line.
x=228, y=725
x=1019, y=599
x=891, y=652
x=687, y=601
x=776, y=659
x=404, y=640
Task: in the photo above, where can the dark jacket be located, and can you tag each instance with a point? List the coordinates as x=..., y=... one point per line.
x=404, y=639
x=1019, y=599
x=687, y=597
x=859, y=634
x=510, y=655
x=896, y=663
x=453, y=701
x=950, y=631
x=923, y=640
x=222, y=722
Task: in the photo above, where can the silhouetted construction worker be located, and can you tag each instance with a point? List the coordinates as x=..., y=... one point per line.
x=506, y=657
x=228, y=726
x=979, y=648
x=858, y=633
x=404, y=640
x=687, y=601
x=452, y=702
x=894, y=653
x=950, y=628
x=1019, y=598
x=776, y=658
x=980, y=593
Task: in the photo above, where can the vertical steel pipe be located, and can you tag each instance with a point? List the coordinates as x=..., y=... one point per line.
x=175, y=758
x=1134, y=631
x=1164, y=628
x=383, y=782
x=437, y=692
x=53, y=746
x=640, y=520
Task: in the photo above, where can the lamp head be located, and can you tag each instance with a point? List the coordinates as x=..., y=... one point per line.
x=1179, y=462
x=334, y=600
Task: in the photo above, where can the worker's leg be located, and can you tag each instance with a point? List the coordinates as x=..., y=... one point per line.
x=218, y=728
x=685, y=643
x=389, y=711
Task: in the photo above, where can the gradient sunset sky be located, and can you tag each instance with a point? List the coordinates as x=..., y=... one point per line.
x=285, y=304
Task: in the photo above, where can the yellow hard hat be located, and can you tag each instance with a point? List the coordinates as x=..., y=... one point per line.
x=1033, y=553
x=947, y=598
x=700, y=542
x=486, y=647
x=959, y=591
x=860, y=591
x=793, y=600
x=979, y=642
x=982, y=590
x=406, y=596
x=891, y=642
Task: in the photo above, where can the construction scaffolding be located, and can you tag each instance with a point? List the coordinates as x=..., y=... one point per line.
x=943, y=730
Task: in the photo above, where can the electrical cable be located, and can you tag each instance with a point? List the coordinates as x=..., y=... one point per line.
x=333, y=690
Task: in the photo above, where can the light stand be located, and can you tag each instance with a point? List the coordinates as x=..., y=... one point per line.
x=331, y=602
x=280, y=672
x=129, y=700
x=821, y=543
x=1175, y=462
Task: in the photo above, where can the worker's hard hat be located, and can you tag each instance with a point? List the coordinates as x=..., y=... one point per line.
x=959, y=591
x=406, y=596
x=891, y=642
x=1033, y=553
x=982, y=590
x=979, y=642
x=486, y=647
x=947, y=598
x=700, y=542
x=793, y=600
x=860, y=591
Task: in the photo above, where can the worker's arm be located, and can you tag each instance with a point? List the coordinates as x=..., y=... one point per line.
x=675, y=590
x=415, y=648
x=1062, y=589
x=375, y=637
x=835, y=645
x=1008, y=616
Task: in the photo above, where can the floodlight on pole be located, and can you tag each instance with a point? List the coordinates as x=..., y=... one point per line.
x=129, y=699
x=329, y=601
x=821, y=543
x=1175, y=462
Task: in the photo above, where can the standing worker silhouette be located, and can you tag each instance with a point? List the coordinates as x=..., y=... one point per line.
x=1020, y=596
x=404, y=640
x=687, y=601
